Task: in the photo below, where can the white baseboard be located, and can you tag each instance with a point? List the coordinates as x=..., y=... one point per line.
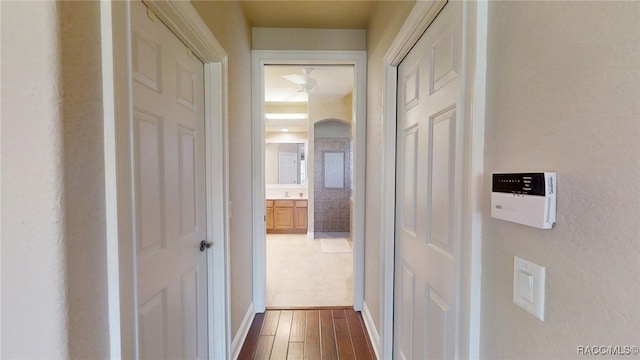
x=241, y=335
x=371, y=329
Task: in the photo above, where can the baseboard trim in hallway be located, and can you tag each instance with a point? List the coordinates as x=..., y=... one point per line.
x=242, y=334
x=370, y=327
x=319, y=333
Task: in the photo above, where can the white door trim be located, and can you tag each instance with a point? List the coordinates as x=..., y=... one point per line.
x=184, y=21
x=473, y=80
x=259, y=59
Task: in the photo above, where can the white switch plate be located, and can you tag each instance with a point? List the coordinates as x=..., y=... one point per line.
x=525, y=286
x=528, y=286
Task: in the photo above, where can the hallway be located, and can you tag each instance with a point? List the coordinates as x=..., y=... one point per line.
x=99, y=193
x=327, y=333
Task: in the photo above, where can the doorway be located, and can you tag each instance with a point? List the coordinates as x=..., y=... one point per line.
x=308, y=172
x=170, y=192
x=135, y=325
x=304, y=98
x=429, y=147
x=402, y=323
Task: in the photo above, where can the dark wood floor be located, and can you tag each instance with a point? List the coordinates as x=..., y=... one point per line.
x=325, y=334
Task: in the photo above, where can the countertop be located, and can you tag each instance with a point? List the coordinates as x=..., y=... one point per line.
x=288, y=198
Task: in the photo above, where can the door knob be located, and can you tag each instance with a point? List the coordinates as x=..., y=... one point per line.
x=205, y=245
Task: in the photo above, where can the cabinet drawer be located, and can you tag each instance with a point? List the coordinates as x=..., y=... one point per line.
x=301, y=203
x=283, y=203
x=269, y=203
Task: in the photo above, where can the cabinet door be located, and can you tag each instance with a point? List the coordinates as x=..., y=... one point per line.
x=301, y=218
x=270, y=219
x=283, y=218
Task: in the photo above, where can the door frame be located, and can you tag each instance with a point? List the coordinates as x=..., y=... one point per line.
x=302, y=57
x=474, y=43
x=183, y=20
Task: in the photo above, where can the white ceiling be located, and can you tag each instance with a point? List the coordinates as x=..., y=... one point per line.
x=333, y=82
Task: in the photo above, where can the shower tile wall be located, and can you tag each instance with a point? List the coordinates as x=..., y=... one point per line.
x=331, y=206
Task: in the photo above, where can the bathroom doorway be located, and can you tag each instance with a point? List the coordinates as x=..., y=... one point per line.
x=308, y=110
x=357, y=111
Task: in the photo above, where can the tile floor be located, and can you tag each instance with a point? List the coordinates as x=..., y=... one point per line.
x=300, y=275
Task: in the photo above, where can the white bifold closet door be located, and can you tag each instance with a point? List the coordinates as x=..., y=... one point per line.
x=429, y=153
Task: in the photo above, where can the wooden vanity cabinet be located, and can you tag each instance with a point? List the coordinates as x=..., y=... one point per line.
x=286, y=216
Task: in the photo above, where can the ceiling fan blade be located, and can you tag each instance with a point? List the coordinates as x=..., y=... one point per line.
x=296, y=79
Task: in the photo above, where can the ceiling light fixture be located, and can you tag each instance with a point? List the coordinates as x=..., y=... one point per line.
x=286, y=116
x=284, y=130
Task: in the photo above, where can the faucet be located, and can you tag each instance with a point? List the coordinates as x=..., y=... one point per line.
x=286, y=194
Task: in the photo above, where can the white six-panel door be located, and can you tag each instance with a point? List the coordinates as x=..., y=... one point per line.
x=287, y=168
x=169, y=191
x=428, y=178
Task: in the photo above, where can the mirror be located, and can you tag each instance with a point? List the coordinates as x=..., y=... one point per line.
x=285, y=163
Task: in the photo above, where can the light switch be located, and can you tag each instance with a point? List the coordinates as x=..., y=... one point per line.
x=528, y=286
x=525, y=286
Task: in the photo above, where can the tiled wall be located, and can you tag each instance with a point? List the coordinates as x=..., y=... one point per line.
x=331, y=206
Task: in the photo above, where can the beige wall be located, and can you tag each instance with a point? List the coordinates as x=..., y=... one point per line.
x=228, y=24
x=54, y=291
x=33, y=271
x=386, y=20
x=320, y=109
x=563, y=89
x=308, y=39
x=84, y=200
